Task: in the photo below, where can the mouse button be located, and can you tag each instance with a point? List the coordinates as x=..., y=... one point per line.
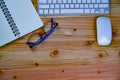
x=104, y=41
x=100, y=30
x=100, y=23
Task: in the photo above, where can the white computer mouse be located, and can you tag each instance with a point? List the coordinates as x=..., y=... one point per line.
x=104, y=31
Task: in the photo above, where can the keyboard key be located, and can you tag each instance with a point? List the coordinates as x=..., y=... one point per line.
x=76, y=5
x=67, y=6
x=98, y=1
x=79, y=1
x=41, y=12
x=59, y=1
x=106, y=12
x=71, y=5
x=96, y=6
x=102, y=11
x=88, y=1
x=81, y=6
x=62, y=6
x=54, y=1
x=64, y=1
x=105, y=1
x=51, y=11
x=52, y=6
x=93, y=1
x=56, y=11
x=91, y=5
x=46, y=11
x=84, y=1
x=69, y=1
x=87, y=10
x=103, y=5
x=92, y=11
x=97, y=10
x=44, y=6
x=86, y=6
x=49, y=1
x=42, y=1
x=56, y=6
x=74, y=1
x=76, y=11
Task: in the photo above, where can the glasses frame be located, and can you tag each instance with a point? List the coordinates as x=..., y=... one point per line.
x=44, y=35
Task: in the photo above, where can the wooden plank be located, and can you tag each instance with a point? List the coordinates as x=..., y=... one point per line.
x=64, y=57
x=85, y=72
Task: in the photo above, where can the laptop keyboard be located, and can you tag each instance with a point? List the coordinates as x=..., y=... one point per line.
x=72, y=7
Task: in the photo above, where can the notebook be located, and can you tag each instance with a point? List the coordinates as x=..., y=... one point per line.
x=17, y=18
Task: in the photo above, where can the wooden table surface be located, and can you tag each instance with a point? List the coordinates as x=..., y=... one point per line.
x=70, y=53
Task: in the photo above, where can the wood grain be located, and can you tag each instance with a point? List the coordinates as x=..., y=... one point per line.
x=78, y=57
x=86, y=72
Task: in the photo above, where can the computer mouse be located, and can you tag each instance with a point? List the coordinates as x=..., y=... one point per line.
x=104, y=31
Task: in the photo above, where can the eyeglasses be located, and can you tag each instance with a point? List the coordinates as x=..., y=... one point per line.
x=44, y=33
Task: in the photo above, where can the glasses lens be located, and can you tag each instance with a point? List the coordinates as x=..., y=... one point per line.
x=34, y=37
x=47, y=27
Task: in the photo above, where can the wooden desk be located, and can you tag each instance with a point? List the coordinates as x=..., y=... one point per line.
x=70, y=53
